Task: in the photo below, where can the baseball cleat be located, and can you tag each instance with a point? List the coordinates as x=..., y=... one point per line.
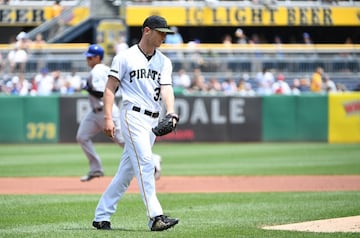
x=102, y=225
x=161, y=223
x=157, y=162
x=91, y=175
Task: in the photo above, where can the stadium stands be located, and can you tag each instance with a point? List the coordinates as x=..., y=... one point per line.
x=341, y=62
x=220, y=62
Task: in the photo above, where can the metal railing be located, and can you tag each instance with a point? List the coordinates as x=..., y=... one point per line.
x=289, y=58
x=62, y=57
x=217, y=58
x=50, y=29
x=340, y=62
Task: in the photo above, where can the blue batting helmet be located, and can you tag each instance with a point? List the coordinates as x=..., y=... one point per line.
x=94, y=50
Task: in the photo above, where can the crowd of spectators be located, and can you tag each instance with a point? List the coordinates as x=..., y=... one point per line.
x=13, y=76
x=43, y=83
x=15, y=80
x=266, y=82
x=14, y=61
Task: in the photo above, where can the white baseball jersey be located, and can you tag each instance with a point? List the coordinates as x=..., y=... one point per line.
x=98, y=81
x=140, y=79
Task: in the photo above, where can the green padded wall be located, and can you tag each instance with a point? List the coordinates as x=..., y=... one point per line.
x=29, y=119
x=295, y=118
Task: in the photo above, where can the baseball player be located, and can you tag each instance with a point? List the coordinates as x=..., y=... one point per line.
x=143, y=74
x=93, y=121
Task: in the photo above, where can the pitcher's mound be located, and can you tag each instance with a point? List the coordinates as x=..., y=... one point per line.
x=344, y=224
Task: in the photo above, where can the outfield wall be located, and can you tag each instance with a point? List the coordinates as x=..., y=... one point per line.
x=333, y=118
x=295, y=118
x=29, y=119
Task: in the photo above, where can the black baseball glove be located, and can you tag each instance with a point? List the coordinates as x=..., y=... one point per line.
x=166, y=125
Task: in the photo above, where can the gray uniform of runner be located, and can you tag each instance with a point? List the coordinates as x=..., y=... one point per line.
x=93, y=121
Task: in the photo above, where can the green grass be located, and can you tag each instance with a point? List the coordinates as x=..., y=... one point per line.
x=201, y=215
x=212, y=215
x=190, y=159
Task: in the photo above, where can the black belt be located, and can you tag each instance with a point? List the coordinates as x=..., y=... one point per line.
x=146, y=112
x=96, y=110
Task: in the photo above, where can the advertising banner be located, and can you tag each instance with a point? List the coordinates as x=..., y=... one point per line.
x=248, y=16
x=334, y=118
x=344, y=118
x=217, y=119
x=201, y=119
x=34, y=16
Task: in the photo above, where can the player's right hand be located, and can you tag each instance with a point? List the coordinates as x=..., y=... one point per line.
x=109, y=128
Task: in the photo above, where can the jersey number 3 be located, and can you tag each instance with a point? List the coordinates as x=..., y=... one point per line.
x=157, y=94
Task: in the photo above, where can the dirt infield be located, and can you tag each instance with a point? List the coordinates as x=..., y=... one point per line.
x=342, y=224
x=175, y=184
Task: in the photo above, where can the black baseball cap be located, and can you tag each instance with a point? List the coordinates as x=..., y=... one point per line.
x=157, y=23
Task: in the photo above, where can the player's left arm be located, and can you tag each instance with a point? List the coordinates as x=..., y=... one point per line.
x=168, y=98
x=166, y=89
x=167, y=95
